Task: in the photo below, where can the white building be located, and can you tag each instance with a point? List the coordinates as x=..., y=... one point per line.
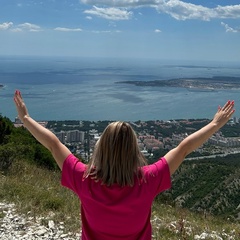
x=71, y=136
x=75, y=136
x=61, y=136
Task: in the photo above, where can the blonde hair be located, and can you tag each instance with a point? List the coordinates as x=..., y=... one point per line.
x=116, y=157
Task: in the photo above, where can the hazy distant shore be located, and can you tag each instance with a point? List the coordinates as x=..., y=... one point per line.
x=213, y=83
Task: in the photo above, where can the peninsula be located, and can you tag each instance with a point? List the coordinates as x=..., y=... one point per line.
x=199, y=83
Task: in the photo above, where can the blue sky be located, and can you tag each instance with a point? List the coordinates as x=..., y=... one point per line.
x=164, y=29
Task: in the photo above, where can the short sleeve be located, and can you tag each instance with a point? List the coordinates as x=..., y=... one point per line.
x=158, y=176
x=72, y=171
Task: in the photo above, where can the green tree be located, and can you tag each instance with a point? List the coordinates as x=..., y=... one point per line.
x=7, y=155
x=6, y=127
x=43, y=157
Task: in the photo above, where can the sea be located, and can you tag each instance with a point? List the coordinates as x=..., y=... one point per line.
x=71, y=88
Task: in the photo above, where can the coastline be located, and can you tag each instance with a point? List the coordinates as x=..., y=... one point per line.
x=193, y=84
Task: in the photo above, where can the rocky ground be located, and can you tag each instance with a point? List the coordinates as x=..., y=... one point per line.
x=14, y=226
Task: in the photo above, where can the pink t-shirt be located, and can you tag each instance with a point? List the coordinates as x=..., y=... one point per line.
x=114, y=213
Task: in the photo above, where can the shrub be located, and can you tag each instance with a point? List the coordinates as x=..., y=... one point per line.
x=44, y=158
x=8, y=153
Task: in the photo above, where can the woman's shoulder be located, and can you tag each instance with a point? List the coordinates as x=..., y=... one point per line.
x=157, y=175
x=158, y=166
x=74, y=163
x=73, y=170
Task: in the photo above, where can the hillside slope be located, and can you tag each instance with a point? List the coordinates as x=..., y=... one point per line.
x=209, y=186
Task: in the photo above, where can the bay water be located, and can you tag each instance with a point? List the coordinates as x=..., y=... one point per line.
x=64, y=88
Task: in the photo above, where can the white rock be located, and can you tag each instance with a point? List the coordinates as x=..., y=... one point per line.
x=41, y=232
x=14, y=226
x=203, y=236
x=51, y=224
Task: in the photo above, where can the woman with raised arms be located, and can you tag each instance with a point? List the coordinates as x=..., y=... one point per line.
x=117, y=187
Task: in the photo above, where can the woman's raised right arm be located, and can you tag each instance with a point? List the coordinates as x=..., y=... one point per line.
x=176, y=156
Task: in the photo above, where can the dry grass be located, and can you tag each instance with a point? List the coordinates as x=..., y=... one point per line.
x=38, y=192
x=174, y=223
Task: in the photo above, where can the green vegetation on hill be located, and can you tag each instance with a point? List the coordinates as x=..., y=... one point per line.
x=211, y=185
x=18, y=143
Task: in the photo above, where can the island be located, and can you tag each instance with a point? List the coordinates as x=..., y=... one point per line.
x=201, y=83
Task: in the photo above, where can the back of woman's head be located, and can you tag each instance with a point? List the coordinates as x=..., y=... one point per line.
x=116, y=157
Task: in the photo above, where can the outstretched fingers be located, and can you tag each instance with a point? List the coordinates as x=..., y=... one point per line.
x=227, y=109
x=18, y=98
x=20, y=105
x=228, y=105
x=18, y=94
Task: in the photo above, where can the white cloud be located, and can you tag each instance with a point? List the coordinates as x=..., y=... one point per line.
x=179, y=10
x=89, y=17
x=110, y=13
x=182, y=10
x=232, y=11
x=5, y=25
x=28, y=27
x=157, y=31
x=228, y=28
x=106, y=31
x=19, y=28
x=112, y=24
x=16, y=30
x=96, y=31
x=122, y=3
x=32, y=28
x=68, y=29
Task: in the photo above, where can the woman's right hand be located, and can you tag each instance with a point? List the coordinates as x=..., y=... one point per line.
x=224, y=114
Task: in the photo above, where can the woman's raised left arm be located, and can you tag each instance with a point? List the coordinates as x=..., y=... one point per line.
x=43, y=135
